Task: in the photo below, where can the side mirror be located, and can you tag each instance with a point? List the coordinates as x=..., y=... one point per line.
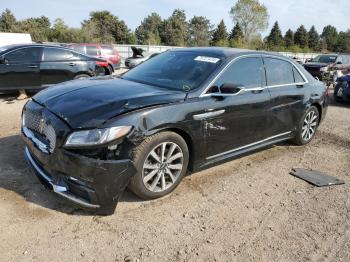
x=339, y=63
x=226, y=89
x=3, y=60
x=230, y=88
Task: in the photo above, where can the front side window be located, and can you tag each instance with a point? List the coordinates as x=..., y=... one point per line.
x=30, y=54
x=57, y=54
x=278, y=72
x=180, y=70
x=246, y=72
x=327, y=59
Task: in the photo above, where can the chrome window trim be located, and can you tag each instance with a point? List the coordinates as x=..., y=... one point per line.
x=249, y=145
x=306, y=81
x=204, y=93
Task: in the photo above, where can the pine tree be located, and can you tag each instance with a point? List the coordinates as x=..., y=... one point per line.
x=236, y=33
x=314, y=39
x=301, y=37
x=289, y=38
x=220, y=35
x=275, y=38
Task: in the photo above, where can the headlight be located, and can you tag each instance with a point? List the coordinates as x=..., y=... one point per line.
x=324, y=69
x=96, y=136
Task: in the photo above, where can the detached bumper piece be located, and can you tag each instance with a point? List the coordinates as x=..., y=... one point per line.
x=61, y=189
x=91, y=184
x=316, y=178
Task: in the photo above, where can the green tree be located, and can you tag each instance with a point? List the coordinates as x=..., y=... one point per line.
x=174, y=30
x=301, y=37
x=330, y=37
x=220, y=35
x=103, y=26
x=236, y=37
x=343, y=45
x=275, y=39
x=148, y=31
x=199, y=31
x=314, y=39
x=289, y=38
x=251, y=15
x=37, y=27
x=7, y=21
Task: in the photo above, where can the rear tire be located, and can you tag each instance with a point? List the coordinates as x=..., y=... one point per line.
x=81, y=76
x=110, y=70
x=161, y=162
x=307, y=126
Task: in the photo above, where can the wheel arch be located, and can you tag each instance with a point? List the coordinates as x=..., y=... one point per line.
x=189, y=141
x=319, y=109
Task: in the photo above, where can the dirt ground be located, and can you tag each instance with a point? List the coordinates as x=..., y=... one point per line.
x=249, y=209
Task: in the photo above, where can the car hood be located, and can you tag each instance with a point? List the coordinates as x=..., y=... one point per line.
x=89, y=103
x=315, y=64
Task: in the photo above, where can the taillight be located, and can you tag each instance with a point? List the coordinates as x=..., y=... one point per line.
x=328, y=91
x=103, y=64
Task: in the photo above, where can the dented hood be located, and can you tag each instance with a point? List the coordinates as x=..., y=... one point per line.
x=89, y=103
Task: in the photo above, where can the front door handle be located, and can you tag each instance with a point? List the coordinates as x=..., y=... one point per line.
x=32, y=66
x=72, y=64
x=256, y=90
x=208, y=114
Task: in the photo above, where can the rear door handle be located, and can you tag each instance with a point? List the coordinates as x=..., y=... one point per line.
x=72, y=64
x=32, y=66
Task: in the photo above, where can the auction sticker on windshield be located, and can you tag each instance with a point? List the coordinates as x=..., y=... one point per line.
x=207, y=59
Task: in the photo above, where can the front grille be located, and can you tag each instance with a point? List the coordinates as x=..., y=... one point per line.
x=34, y=121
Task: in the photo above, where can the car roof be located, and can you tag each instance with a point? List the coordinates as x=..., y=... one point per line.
x=224, y=52
x=15, y=46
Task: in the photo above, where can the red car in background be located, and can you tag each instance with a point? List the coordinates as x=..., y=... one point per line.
x=107, y=52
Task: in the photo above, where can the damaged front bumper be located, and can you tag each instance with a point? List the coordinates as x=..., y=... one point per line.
x=92, y=184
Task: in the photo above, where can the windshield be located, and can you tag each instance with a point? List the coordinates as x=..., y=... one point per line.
x=328, y=59
x=174, y=70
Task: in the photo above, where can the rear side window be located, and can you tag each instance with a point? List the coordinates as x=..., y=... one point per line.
x=92, y=50
x=79, y=48
x=56, y=54
x=278, y=72
x=246, y=72
x=30, y=54
x=297, y=76
x=107, y=50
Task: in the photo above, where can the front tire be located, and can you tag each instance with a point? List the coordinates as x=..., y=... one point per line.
x=161, y=162
x=81, y=76
x=307, y=126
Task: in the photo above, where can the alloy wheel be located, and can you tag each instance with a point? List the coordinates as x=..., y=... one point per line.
x=162, y=167
x=309, y=126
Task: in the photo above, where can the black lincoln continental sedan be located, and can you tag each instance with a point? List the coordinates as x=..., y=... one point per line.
x=185, y=109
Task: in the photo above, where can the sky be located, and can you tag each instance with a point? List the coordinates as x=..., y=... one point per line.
x=289, y=13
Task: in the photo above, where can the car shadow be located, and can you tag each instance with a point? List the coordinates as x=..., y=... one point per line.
x=16, y=176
